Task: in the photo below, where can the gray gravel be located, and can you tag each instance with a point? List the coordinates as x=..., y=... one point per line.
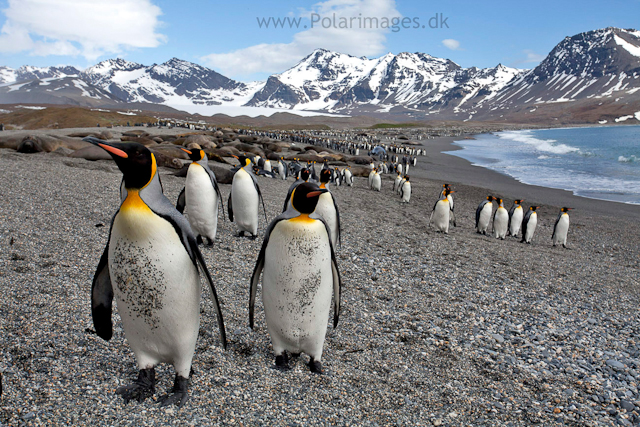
x=436, y=329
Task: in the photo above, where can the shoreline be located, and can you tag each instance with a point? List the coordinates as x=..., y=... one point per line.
x=444, y=167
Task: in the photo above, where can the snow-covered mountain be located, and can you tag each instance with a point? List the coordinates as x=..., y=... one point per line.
x=335, y=82
x=594, y=64
x=590, y=71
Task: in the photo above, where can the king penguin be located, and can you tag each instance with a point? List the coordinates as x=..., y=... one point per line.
x=405, y=190
x=201, y=196
x=327, y=208
x=500, y=221
x=561, y=228
x=376, y=181
x=515, y=218
x=243, y=199
x=396, y=182
x=299, y=271
x=441, y=212
x=348, y=176
x=483, y=215
x=529, y=224
x=150, y=265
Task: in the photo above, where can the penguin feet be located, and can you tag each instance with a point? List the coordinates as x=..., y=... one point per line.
x=141, y=388
x=179, y=393
x=254, y=237
x=282, y=362
x=240, y=234
x=315, y=366
x=209, y=242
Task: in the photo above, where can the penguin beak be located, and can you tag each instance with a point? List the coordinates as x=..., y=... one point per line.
x=187, y=151
x=313, y=194
x=107, y=147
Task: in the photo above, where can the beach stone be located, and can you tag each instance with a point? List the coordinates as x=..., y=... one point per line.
x=628, y=406
x=615, y=364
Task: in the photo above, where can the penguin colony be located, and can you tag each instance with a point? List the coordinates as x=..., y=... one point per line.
x=152, y=264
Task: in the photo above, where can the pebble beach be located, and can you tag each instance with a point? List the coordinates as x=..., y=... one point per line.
x=435, y=329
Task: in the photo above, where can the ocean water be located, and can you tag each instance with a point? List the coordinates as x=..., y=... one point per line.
x=596, y=162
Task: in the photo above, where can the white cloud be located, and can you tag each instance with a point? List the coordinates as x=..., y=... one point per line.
x=359, y=39
x=451, y=44
x=79, y=27
x=532, y=57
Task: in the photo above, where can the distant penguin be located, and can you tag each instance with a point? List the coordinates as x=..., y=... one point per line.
x=327, y=208
x=299, y=272
x=150, y=265
x=244, y=199
x=371, y=177
x=201, y=196
x=396, y=182
x=405, y=190
x=376, y=182
x=267, y=166
x=483, y=215
x=515, y=217
x=304, y=176
x=452, y=216
x=529, y=224
x=348, y=177
x=441, y=212
x=282, y=169
x=561, y=228
x=500, y=221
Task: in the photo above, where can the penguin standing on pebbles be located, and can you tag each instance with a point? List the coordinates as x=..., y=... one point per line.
x=561, y=228
x=201, y=196
x=483, y=215
x=500, y=221
x=299, y=272
x=405, y=190
x=515, y=218
x=529, y=224
x=150, y=265
x=441, y=212
x=376, y=181
x=243, y=199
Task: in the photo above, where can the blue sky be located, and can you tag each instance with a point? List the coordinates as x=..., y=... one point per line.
x=226, y=36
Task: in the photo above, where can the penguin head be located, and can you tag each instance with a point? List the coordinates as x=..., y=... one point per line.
x=244, y=160
x=137, y=163
x=533, y=208
x=406, y=178
x=195, y=155
x=305, y=174
x=491, y=198
x=325, y=176
x=305, y=197
x=566, y=209
x=518, y=201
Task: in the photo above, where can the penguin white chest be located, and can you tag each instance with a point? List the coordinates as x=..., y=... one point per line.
x=485, y=217
x=500, y=223
x=531, y=227
x=327, y=210
x=406, y=192
x=297, y=286
x=201, y=202
x=516, y=221
x=441, y=216
x=245, y=202
x=561, y=230
x=156, y=287
x=376, y=182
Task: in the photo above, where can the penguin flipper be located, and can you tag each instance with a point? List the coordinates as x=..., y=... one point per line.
x=181, y=201
x=230, y=208
x=335, y=204
x=194, y=248
x=480, y=206
x=102, y=298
